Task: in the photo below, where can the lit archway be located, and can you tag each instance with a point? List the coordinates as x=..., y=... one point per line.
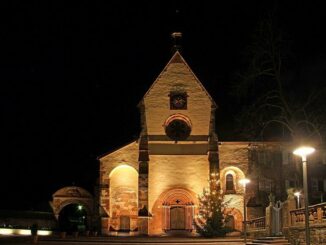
x=234, y=218
x=123, y=198
x=230, y=177
x=73, y=196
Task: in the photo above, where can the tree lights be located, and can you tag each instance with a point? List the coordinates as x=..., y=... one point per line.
x=212, y=208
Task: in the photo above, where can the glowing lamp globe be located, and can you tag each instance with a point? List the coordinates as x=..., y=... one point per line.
x=244, y=182
x=297, y=194
x=304, y=151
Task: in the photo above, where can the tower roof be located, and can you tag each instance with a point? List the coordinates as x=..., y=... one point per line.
x=177, y=58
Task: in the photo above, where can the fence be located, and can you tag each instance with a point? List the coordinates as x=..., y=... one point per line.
x=317, y=214
x=257, y=223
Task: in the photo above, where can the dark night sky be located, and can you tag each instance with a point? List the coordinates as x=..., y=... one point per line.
x=72, y=75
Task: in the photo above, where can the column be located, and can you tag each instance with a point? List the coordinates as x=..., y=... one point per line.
x=189, y=213
x=165, y=217
x=193, y=217
x=213, y=157
x=168, y=216
x=104, y=208
x=143, y=214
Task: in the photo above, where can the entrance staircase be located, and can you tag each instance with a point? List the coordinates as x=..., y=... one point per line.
x=274, y=240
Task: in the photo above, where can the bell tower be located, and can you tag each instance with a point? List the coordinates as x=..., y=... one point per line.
x=177, y=120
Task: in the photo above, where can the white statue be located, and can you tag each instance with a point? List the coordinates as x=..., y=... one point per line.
x=276, y=228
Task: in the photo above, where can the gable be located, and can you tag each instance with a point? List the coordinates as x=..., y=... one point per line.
x=126, y=155
x=178, y=59
x=177, y=78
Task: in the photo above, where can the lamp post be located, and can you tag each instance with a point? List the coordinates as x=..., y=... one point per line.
x=244, y=182
x=297, y=194
x=303, y=152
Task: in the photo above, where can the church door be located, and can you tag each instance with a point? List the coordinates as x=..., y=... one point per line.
x=177, y=217
x=124, y=223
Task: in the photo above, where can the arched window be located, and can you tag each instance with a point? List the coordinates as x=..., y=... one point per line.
x=229, y=183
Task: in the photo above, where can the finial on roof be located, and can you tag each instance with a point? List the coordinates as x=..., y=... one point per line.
x=176, y=36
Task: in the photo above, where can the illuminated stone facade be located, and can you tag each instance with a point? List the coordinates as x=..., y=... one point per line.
x=151, y=186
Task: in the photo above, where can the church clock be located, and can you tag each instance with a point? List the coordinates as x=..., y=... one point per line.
x=178, y=101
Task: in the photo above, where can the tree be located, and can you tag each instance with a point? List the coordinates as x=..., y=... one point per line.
x=271, y=95
x=212, y=209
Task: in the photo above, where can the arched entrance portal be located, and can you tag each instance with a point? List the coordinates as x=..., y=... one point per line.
x=175, y=210
x=73, y=217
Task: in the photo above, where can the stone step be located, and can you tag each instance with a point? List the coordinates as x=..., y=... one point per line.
x=259, y=243
x=271, y=237
x=275, y=240
x=270, y=241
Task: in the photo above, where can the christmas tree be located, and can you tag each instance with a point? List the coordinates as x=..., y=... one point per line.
x=212, y=209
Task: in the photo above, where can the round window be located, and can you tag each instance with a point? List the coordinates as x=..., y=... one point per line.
x=177, y=130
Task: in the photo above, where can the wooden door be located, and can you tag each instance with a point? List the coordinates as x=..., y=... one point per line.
x=177, y=218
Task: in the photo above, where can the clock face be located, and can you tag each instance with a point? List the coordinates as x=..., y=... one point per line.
x=178, y=102
x=178, y=130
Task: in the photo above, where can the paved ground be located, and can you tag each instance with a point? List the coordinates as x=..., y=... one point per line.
x=120, y=240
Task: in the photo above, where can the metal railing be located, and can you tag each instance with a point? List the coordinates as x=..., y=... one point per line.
x=257, y=223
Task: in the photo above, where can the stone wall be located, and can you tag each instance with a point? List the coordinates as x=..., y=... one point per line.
x=168, y=172
x=234, y=154
x=125, y=155
x=177, y=76
x=296, y=234
x=26, y=223
x=110, y=163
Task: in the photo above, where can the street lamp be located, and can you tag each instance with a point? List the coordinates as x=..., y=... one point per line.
x=303, y=152
x=297, y=194
x=244, y=182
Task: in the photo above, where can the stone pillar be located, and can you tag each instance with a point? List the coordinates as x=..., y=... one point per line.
x=168, y=215
x=143, y=214
x=213, y=157
x=193, y=219
x=269, y=218
x=104, y=207
x=164, y=215
x=290, y=204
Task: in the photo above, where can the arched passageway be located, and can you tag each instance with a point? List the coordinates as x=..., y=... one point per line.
x=73, y=217
x=73, y=208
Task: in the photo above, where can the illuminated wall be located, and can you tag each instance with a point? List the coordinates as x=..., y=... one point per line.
x=123, y=196
x=177, y=76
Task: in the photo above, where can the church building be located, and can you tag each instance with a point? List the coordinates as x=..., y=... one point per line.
x=152, y=185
